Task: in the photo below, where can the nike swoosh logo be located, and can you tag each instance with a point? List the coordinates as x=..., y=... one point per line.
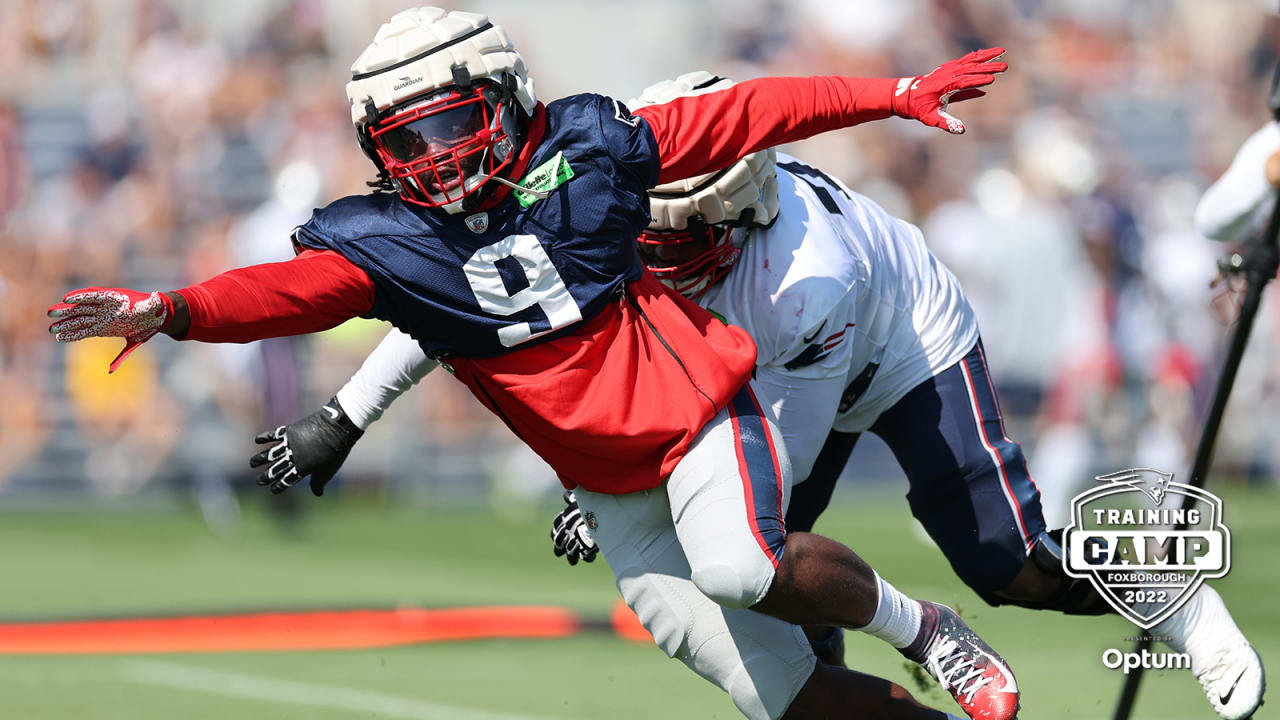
x=333, y=412
x=1012, y=685
x=1225, y=698
x=815, y=333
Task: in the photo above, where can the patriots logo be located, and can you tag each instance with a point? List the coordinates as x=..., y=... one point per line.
x=1151, y=482
x=477, y=223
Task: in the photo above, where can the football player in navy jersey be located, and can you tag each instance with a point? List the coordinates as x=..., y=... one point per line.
x=502, y=243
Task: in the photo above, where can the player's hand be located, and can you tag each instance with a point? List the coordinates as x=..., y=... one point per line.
x=571, y=535
x=316, y=445
x=110, y=312
x=926, y=97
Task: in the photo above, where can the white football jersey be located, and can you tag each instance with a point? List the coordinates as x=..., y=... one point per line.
x=838, y=287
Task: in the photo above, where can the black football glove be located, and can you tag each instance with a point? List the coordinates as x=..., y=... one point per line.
x=571, y=535
x=316, y=445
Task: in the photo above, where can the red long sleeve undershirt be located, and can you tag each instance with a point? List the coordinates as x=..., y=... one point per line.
x=705, y=133
x=315, y=291
x=320, y=289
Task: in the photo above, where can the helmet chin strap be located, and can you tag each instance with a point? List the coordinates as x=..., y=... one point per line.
x=473, y=200
x=540, y=194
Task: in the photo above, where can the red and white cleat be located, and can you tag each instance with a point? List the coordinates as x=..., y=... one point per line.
x=964, y=665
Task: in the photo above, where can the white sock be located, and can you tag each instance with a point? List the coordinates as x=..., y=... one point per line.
x=897, y=617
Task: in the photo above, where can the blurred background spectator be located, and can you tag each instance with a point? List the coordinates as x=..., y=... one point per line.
x=156, y=142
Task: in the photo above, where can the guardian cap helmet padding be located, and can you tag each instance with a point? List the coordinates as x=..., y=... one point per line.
x=707, y=209
x=438, y=100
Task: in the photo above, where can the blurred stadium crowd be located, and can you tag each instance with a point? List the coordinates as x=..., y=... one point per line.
x=151, y=144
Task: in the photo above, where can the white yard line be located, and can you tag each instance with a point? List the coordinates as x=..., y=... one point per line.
x=328, y=697
x=290, y=692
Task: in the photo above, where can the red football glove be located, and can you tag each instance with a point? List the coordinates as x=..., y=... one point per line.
x=925, y=97
x=110, y=312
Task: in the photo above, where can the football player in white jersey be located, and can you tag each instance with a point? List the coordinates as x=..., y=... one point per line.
x=858, y=327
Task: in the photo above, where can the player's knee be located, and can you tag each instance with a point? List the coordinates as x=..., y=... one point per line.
x=989, y=566
x=1000, y=569
x=1042, y=584
x=737, y=571
x=734, y=580
x=725, y=585
x=1032, y=588
x=1032, y=585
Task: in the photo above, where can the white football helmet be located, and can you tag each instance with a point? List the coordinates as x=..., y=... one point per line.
x=438, y=100
x=711, y=211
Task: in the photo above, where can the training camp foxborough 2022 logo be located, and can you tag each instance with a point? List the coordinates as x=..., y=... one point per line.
x=1122, y=538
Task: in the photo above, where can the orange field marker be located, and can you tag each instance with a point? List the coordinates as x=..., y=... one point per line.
x=317, y=630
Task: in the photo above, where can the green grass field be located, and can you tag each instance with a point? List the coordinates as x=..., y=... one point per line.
x=96, y=564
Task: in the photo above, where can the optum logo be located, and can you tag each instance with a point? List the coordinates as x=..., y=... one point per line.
x=1113, y=659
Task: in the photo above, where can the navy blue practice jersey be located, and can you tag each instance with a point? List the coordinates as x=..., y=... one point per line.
x=536, y=270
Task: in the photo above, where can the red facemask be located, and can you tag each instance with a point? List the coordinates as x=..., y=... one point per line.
x=689, y=261
x=444, y=147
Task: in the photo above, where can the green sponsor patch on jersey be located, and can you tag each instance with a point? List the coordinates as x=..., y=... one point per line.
x=546, y=177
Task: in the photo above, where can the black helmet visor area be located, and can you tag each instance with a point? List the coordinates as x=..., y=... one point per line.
x=430, y=131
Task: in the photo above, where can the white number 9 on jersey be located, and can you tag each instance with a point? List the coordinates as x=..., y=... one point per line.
x=546, y=289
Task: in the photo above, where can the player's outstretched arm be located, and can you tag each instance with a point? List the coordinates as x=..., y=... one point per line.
x=315, y=291
x=396, y=365
x=707, y=132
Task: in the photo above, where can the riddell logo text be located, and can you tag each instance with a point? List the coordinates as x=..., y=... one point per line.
x=1114, y=659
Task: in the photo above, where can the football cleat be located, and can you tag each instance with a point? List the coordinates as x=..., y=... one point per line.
x=1233, y=680
x=1224, y=662
x=964, y=665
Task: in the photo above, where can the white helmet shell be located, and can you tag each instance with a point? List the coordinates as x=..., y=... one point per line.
x=720, y=197
x=417, y=51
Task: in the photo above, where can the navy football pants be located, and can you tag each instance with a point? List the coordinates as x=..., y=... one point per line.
x=969, y=482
